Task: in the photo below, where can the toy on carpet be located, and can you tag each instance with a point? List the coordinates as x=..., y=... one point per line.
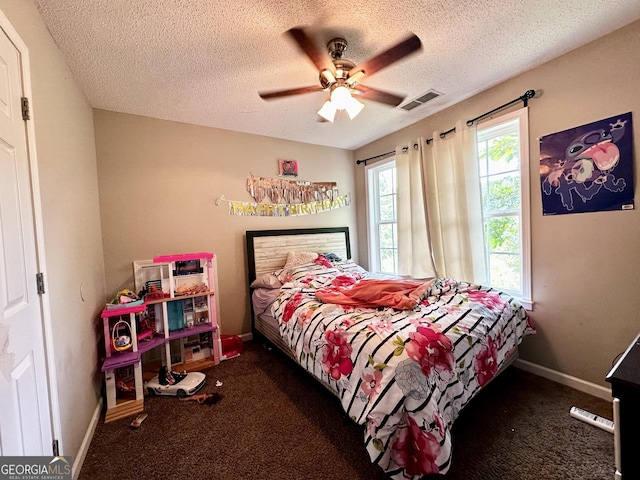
x=205, y=398
x=170, y=382
x=138, y=420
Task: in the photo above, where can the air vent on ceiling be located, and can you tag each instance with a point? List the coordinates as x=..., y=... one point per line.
x=421, y=100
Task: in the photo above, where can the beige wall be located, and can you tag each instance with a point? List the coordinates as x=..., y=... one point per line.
x=158, y=184
x=585, y=282
x=68, y=185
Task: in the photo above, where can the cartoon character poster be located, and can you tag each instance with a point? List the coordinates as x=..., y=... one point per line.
x=588, y=168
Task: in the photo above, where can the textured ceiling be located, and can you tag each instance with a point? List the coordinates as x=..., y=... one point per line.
x=204, y=61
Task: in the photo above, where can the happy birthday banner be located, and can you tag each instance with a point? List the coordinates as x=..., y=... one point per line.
x=290, y=191
x=297, y=197
x=286, y=209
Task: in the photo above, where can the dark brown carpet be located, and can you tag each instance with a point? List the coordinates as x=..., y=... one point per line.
x=275, y=422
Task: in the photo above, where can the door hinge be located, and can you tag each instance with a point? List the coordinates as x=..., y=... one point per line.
x=56, y=450
x=24, y=101
x=40, y=282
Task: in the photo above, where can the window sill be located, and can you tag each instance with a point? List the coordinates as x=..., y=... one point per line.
x=527, y=304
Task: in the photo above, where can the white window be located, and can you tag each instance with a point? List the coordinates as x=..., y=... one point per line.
x=503, y=153
x=381, y=206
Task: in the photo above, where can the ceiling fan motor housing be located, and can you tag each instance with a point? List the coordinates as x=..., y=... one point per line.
x=336, y=47
x=340, y=76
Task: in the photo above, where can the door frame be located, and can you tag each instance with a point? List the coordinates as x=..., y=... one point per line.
x=34, y=181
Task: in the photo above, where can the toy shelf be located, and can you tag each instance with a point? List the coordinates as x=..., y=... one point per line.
x=180, y=297
x=150, y=344
x=125, y=309
x=187, y=332
x=181, y=301
x=120, y=360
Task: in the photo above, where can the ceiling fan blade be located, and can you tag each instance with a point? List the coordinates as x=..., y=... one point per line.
x=291, y=91
x=378, y=95
x=384, y=59
x=319, y=57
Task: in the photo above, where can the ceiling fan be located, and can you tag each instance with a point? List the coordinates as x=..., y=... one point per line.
x=340, y=77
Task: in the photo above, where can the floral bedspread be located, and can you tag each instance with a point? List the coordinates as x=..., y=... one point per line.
x=404, y=374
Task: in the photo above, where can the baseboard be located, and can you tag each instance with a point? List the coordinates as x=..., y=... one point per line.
x=564, y=379
x=86, y=441
x=245, y=337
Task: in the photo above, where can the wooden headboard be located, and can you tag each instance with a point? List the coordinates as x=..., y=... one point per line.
x=267, y=249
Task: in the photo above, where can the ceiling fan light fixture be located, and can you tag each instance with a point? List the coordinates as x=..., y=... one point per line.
x=327, y=79
x=328, y=111
x=340, y=97
x=355, y=78
x=354, y=107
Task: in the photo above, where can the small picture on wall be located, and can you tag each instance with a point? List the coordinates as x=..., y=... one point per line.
x=287, y=168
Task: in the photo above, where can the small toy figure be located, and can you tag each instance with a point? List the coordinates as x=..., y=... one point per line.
x=205, y=398
x=169, y=377
x=123, y=387
x=165, y=377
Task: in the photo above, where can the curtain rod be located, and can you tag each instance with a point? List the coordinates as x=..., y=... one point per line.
x=358, y=162
x=522, y=98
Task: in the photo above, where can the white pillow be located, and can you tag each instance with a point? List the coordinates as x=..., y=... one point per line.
x=268, y=280
x=299, y=258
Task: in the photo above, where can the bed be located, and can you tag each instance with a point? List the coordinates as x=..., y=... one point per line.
x=403, y=356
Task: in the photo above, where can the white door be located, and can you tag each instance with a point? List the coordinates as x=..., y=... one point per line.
x=25, y=416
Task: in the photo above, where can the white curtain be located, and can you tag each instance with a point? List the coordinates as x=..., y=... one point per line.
x=441, y=233
x=414, y=252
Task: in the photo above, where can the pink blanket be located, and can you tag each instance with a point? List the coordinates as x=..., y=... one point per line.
x=371, y=293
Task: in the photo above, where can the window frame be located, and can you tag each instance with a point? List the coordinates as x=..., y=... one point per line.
x=522, y=116
x=372, y=193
